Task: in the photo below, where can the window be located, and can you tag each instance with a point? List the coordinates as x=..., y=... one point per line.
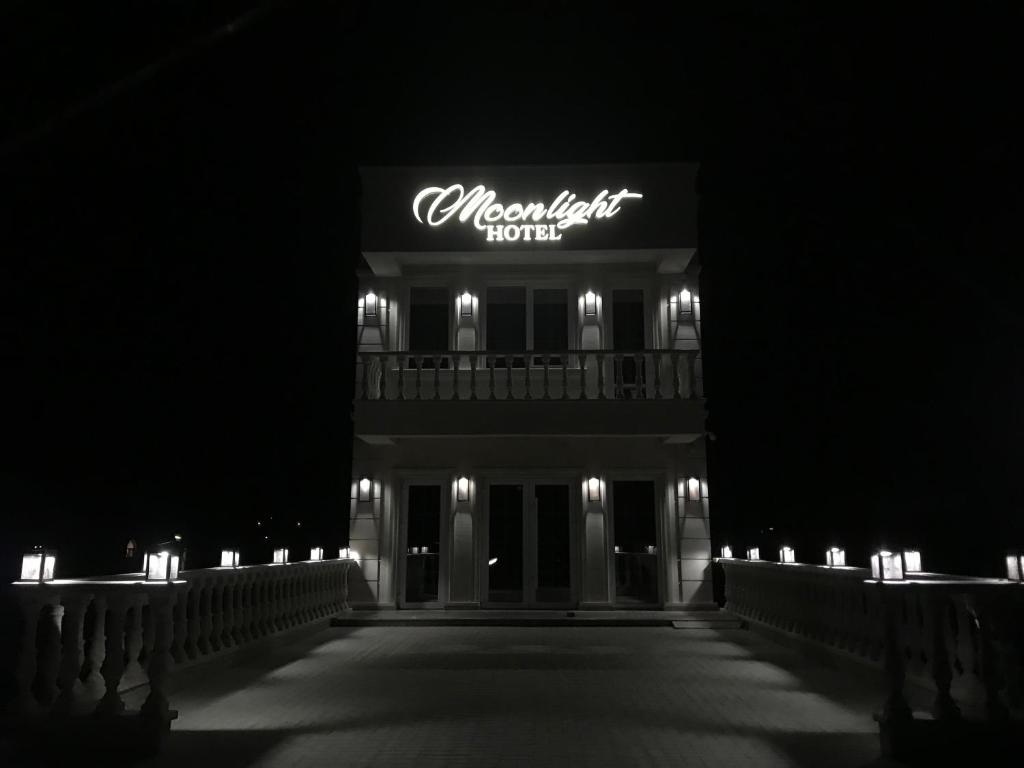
x=428, y=323
x=506, y=323
x=550, y=320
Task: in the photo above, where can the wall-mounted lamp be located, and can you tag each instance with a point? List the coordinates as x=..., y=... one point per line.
x=594, y=489
x=163, y=561
x=685, y=305
x=316, y=553
x=726, y=551
x=280, y=556
x=886, y=566
x=787, y=555
x=229, y=558
x=462, y=489
x=365, y=489
x=466, y=304
x=1014, y=566
x=346, y=553
x=911, y=561
x=590, y=304
x=693, y=489
x=38, y=565
x=753, y=553
x=835, y=556
x=370, y=305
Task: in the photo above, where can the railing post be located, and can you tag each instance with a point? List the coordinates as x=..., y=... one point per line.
x=195, y=618
x=205, y=616
x=676, y=383
x=113, y=659
x=72, y=646
x=456, y=362
x=896, y=710
x=437, y=378
x=180, y=625
x=691, y=374
x=491, y=363
x=155, y=709
x=943, y=708
x=565, y=376
x=658, y=357
x=366, y=376
x=418, y=360
x=526, y=375
x=31, y=601
x=508, y=377
x=547, y=365
x=600, y=377
x=133, y=674
x=472, y=376
x=996, y=710
x=95, y=649
x=584, y=360
x=227, y=639
x=48, y=660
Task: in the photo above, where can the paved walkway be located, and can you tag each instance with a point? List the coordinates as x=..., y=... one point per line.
x=522, y=696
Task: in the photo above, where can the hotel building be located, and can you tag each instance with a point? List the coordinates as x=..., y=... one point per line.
x=529, y=413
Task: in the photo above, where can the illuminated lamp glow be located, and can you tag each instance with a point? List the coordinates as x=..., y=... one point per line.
x=466, y=304
x=492, y=561
x=38, y=565
x=365, y=487
x=1015, y=567
x=280, y=556
x=911, y=561
x=594, y=489
x=835, y=556
x=316, y=553
x=726, y=551
x=753, y=553
x=229, y=558
x=462, y=489
x=886, y=566
x=370, y=305
x=685, y=302
x=787, y=555
x=162, y=566
x=590, y=304
x=693, y=489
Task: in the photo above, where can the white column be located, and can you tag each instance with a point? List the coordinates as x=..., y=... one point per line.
x=694, y=534
x=462, y=579
x=595, y=585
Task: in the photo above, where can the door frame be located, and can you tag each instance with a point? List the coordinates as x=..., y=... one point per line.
x=530, y=575
x=443, y=481
x=657, y=479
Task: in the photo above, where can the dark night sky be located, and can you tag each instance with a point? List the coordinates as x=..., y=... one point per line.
x=182, y=253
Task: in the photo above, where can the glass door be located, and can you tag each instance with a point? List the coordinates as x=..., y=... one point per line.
x=635, y=542
x=423, y=546
x=529, y=546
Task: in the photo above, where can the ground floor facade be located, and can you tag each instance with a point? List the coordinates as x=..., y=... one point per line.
x=530, y=522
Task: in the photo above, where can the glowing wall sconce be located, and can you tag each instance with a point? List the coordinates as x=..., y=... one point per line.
x=466, y=304
x=229, y=558
x=886, y=566
x=365, y=489
x=685, y=305
x=911, y=561
x=370, y=305
x=462, y=489
x=280, y=556
x=693, y=489
x=594, y=489
x=1014, y=566
x=835, y=556
x=345, y=553
x=726, y=551
x=316, y=553
x=753, y=553
x=590, y=304
x=787, y=555
x=162, y=562
x=38, y=565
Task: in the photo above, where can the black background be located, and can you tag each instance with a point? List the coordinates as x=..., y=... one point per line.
x=179, y=252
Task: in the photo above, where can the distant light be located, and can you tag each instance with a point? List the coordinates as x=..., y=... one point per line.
x=466, y=305
x=594, y=489
x=162, y=562
x=38, y=565
x=1015, y=566
x=177, y=537
x=365, y=486
x=229, y=558
x=835, y=556
x=370, y=305
x=787, y=555
x=492, y=561
x=462, y=489
x=685, y=302
x=726, y=551
x=299, y=524
x=316, y=553
x=911, y=561
x=590, y=304
x=753, y=553
x=693, y=489
x=280, y=556
x=886, y=566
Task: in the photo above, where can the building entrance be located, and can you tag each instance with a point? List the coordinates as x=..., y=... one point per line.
x=530, y=552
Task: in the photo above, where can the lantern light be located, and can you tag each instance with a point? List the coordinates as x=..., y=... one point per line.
x=753, y=553
x=163, y=561
x=886, y=566
x=685, y=302
x=1015, y=566
x=370, y=305
x=590, y=304
x=365, y=488
x=693, y=489
x=38, y=565
x=229, y=558
x=462, y=489
x=835, y=556
x=316, y=553
x=726, y=551
x=281, y=556
x=594, y=489
x=466, y=304
x=911, y=561
x=787, y=555
x=346, y=553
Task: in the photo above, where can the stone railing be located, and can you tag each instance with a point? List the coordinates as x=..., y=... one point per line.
x=961, y=638
x=85, y=642
x=521, y=375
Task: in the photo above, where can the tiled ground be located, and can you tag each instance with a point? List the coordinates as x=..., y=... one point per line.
x=502, y=696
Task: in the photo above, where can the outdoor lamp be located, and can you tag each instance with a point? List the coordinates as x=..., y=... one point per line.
x=726, y=551
x=886, y=566
x=787, y=555
x=316, y=553
x=365, y=488
x=229, y=558
x=462, y=489
x=753, y=553
x=281, y=556
x=38, y=565
x=911, y=561
x=835, y=556
x=685, y=302
x=466, y=304
x=594, y=489
x=590, y=304
x=370, y=305
x=163, y=561
x=693, y=489
x=1014, y=567
x=346, y=553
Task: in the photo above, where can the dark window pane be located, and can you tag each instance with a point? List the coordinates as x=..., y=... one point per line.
x=628, y=320
x=506, y=319
x=554, y=552
x=635, y=531
x=423, y=545
x=428, y=320
x=550, y=319
x=505, y=544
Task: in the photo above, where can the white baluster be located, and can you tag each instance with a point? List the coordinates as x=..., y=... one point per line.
x=113, y=659
x=31, y=599
x=72, y=653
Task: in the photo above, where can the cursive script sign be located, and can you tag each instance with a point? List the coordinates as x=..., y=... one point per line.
x=509, y=223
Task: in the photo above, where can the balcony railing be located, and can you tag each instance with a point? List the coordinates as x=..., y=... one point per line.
x=650, y=374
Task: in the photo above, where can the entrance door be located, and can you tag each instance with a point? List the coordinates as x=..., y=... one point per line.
x=529, y=546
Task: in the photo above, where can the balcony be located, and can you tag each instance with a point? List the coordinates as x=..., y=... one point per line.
x=646, y=392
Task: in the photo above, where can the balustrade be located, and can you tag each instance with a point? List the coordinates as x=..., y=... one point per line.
x=523, y=375
x=960, y=638
x=86, y=642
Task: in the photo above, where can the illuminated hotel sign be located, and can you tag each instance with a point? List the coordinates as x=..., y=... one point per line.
x=512, y=222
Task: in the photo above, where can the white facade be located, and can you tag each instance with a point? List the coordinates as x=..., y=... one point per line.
x=529, y=417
